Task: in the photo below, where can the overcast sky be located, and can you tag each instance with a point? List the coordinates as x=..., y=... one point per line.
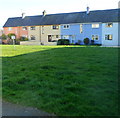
x=14, y=8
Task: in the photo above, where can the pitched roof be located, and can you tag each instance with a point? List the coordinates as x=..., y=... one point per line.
x=112, y=15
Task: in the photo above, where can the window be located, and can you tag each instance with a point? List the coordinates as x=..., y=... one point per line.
x=55, y=27
x=32, y=37
x=95, y=25
x=81, y=28
x=24, y=28
x=109, y=24
x=95, y=37
x=10, y=28
x=49, y=38
x=42, y=29
x=108, y=37
x=32, y=28
x=66, y=26
x=57, y=36
x=65, y=37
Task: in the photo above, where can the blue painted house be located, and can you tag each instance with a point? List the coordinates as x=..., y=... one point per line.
x=92, y=25
x=76, y=33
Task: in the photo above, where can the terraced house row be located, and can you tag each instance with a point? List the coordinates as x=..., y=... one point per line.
x=102, y=26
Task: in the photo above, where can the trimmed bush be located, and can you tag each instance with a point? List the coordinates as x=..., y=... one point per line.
x=92, y=42
x=86, y=41
x=63, y=42
x=4, y=37
x=23, y=39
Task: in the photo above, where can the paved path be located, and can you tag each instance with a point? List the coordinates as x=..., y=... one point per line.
x=9, y=109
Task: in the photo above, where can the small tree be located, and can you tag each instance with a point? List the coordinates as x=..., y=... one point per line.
x=4, y=37
x=86, y=41
x=11, y=34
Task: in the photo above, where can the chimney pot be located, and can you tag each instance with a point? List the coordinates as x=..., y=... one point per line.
x=44, y=13
x=23, y=15
x=88, y=10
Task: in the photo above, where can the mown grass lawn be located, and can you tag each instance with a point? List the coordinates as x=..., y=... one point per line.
x=64, y=80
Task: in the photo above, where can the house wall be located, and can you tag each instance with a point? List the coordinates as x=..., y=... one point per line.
x=35, y=33
x=14, y=30
x=88, y=31
x=18, y=31
x=22, y=32
x=119, y=34
x=110, y=30
x=48, y=30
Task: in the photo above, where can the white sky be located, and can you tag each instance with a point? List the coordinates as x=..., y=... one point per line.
x=14, y=8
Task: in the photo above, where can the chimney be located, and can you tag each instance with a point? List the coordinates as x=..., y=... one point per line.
x=44, y=13
x=119, y=5
x=23, y=15
x=88, y=10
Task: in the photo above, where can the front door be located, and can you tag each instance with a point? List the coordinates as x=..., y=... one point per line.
x=49, y=38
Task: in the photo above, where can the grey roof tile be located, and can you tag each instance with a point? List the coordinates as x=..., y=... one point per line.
x=112, y=15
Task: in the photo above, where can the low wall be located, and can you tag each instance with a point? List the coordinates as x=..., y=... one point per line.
x=29, y=43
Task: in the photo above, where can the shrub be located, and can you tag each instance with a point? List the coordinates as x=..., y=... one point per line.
x=17, y=41
x=4, y=37
x=79, y=41
x=23, y=39
x=92, y=42
x=63, y=42
x=86, y=41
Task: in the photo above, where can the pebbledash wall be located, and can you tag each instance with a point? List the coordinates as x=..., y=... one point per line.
x=119, y=34
x=110, y=31
x=76, y=32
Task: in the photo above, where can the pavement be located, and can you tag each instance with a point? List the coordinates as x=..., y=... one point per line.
x=9, y=109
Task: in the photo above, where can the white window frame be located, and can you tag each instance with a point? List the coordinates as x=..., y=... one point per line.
x=32, y=36
x=95, y=25
x=66, y=26
x=81, y=28
x=95, y=35
x=10, y=28
x=109, y=25
x=42, y=29
x=106, y=35
x=55, y=27
x=65, y=36
x=32, y=28
x=24, y=28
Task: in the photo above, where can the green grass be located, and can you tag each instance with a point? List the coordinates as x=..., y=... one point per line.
x=64, y=80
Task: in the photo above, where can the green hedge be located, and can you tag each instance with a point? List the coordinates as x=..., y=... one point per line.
x=63, y=42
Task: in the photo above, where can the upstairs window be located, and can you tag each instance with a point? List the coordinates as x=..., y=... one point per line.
x=66, y=37
x=24, y=28
x=42, y=29
x=95, y=37
x=66, y=26
x=108, y=37
x=55, y=27
x=109, y=24
x=95, y=26
x=32, y=37
x=81, y=28
x=32, y=28
x=10, y=28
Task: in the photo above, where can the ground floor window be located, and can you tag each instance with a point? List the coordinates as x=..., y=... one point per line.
x=108, y=37
x=95, y=37
x=49, y=38
x=32, y=37
x=66, y=37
